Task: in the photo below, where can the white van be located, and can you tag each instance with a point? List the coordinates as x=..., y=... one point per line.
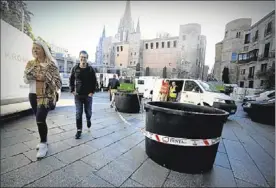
x=145, y=84
x=198, y=92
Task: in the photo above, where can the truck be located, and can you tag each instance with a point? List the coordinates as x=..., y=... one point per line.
x=16, y=51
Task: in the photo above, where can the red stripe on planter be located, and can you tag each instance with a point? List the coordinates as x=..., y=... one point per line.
x=157, y=137
x=206, y=142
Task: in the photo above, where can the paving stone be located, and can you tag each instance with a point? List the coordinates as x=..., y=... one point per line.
x=176, y=179
x=14, y=162
x=31, y=155
x=75, y=153
x=248, y=172
x=235, y=150
x=15, y=133
x=136, y=153
x=101, y=158
x=68, y=127
x=13, y=150
x=131, y=183
x=228, y=134
x=118, y=170
x=150, y=174
x=267, y=145
x=101, y=142
x=263, y=160
x=6, y=142
x=219, y=177
x=221, y=147
x=30, y=173
x=85, y=137
x=68, y=176
x=54, y=131
x=222, y=160
x=32, y=143
x=93, y=181
x=241, y=183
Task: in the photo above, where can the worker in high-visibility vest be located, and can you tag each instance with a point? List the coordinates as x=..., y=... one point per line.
x=173, y=92
x=164, y=91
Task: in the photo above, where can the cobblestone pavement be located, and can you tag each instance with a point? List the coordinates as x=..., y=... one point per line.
x=113, y=154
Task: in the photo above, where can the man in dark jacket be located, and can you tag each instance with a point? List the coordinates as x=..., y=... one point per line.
x=83, y=85
x=113, y=86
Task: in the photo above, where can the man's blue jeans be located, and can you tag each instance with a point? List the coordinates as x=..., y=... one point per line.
x=83, y=101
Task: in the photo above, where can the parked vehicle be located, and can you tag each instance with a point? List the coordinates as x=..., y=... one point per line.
x=198, y=92
x=247, y=105
x=259, y=97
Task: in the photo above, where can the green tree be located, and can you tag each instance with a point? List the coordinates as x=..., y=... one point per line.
x=11, y=12
x=225, y=75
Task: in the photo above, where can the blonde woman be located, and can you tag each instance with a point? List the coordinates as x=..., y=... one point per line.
x=43, y=77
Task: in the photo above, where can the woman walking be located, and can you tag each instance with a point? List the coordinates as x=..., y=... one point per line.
x=44, y=80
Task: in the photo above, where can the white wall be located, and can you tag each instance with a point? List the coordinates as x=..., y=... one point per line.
x=16, y=51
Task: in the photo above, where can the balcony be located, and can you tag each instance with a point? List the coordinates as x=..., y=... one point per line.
x=248, y=57
x=266, y=56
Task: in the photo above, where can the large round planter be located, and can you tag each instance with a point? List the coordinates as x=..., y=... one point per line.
x=127, y=102
x=263, y=112
x=185, y=121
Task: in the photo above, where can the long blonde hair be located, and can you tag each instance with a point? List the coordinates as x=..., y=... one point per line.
x=49, y=57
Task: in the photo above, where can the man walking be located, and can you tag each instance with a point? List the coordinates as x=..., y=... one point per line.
x=83, y=85
x=113, y=86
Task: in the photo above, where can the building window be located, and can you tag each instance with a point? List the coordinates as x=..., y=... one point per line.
x=174, y=44
x=247, y=38
x=241, y=84
x=226, y=32
x=117, y=55
x=238, y=35
x=246, y=48
x=131, y=62
x=184, y=37
x=251, y=72
x=134, y=62
x=147, y=45
x=121, y=64
x=131, y=53
x=113, y=48
x=134, y=53
x=168, y=44
x=157, y=45
x=268, y=29
x=121, y=48
x=243, y=72
x=107, y=55
x=163, y=44
x=118, y=48
x=262, y=82
x=266, y=50
x=251, y=84
x=151, y=45
x=263, y=67
x=256, y=36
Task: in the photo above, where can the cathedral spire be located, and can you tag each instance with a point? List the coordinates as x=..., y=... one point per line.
x=127, y=14
x=103, y=34
x=138, y=27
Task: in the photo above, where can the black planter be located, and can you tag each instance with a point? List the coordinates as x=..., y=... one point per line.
x=127, y=102
x=263, y=112
x=183, y=121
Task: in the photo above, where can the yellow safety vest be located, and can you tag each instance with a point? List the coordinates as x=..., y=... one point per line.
x=172, y=90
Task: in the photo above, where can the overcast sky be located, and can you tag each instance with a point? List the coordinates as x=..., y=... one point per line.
x=77, y=25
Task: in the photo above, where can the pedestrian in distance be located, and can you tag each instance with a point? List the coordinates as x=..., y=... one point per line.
x=83, y=85
x=113, y=86
x=44, y=81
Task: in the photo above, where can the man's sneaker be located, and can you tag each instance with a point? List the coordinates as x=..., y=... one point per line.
x=37, y=146
x=78, y=135
x=111, y=106
x=88, y=126
x=42, y=150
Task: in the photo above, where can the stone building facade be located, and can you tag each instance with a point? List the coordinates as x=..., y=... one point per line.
x=259, y=53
